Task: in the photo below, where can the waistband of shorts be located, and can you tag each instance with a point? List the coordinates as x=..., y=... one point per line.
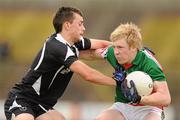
x=160, y=107
x=136, y=104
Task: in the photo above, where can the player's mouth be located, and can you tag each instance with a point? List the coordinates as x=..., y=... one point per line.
x=82, y=34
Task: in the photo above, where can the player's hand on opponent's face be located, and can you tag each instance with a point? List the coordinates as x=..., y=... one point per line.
x=119, y=75
x=130, y=92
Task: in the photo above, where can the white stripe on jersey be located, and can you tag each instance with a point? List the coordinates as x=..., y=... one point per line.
x=149, y=55
x=43, y=108
x=55, y=75
x=37, y=85
x=77, y=51
x=41, y=58
x=82, y=39
x=15, y=104
x=69, y=53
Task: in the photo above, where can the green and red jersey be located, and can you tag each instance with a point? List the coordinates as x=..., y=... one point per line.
x=144, y=61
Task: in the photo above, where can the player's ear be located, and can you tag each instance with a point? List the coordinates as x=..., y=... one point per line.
x=134, y=49
x=66, y=25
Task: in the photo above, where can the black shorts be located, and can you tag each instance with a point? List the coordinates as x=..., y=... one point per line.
x=17, y=104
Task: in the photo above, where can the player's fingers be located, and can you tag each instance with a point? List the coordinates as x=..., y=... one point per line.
x=132, y=84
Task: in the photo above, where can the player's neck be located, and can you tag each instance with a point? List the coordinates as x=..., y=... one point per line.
x=67, y=37
x=133, y=56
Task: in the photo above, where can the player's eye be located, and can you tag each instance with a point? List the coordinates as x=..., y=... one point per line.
x=117, y=47
x=81, y=23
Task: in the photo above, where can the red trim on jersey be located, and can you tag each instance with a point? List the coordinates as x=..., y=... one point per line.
x=127, y=65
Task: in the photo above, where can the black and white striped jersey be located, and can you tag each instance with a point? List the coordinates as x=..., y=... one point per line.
x=49, y=73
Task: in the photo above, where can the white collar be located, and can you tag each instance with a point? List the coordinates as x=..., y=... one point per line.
x=60, y=38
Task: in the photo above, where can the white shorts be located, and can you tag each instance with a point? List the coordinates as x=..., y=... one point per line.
x=131, y=112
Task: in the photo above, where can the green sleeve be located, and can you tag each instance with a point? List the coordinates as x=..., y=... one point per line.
x=155, y=72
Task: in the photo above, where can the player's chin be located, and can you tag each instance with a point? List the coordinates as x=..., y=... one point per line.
x=81, y=35
x=121, y=62
x=78, y=38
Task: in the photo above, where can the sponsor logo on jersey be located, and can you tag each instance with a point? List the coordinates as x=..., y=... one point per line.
x=65, y=71
x=23, y=108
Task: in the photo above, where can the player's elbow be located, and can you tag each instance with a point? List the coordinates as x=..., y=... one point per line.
x=89, y=77
x=167, y=101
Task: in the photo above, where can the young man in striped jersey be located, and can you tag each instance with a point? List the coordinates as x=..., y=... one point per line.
x=45, y=82
x=126, y=55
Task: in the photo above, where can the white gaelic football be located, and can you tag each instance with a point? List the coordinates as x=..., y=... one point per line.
x=143, y=82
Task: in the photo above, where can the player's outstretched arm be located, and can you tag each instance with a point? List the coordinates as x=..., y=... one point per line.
x=96, y=43
x=160, y=97
x=97, y=48
x=89, y=55
x=90, y=74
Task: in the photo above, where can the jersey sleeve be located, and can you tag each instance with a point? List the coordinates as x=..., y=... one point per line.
x=154, y=69
x=84, y=44
x=155, y=72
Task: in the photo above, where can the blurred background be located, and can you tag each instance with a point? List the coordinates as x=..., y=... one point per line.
x=25, y=24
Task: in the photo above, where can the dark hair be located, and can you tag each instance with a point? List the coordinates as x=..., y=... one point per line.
x=62, y=15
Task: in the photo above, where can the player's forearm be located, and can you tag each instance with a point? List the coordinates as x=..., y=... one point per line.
x=156, y=99
x=160, y=96
x=96, y=43
x=90, y=74
x=89, y=55
x=99, y=78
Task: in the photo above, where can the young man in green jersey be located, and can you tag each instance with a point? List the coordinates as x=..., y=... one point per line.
x=127, y=55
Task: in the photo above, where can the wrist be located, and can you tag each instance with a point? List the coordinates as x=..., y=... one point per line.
x=139, y=98
x=118, y=83
x=142, y=99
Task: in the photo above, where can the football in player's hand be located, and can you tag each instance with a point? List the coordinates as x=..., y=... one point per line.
x=143, y=82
